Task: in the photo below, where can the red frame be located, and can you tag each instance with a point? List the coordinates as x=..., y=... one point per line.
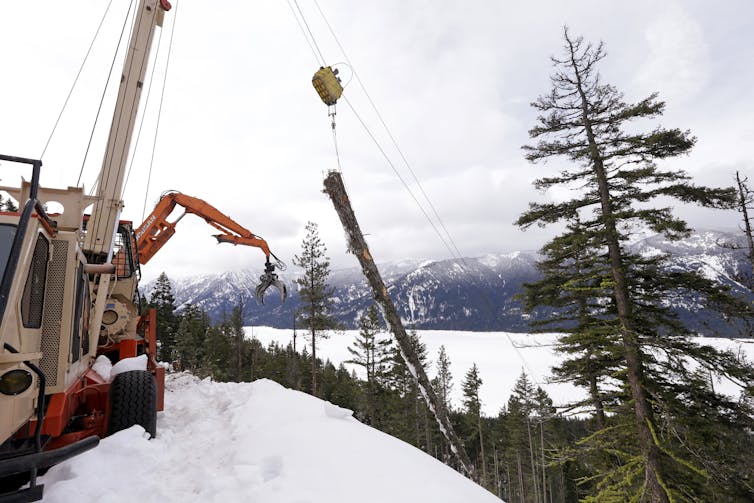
x=88, y=397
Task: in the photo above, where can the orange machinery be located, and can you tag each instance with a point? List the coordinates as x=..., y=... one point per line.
x=156, y=230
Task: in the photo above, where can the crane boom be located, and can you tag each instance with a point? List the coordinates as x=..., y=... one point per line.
x=156, y=230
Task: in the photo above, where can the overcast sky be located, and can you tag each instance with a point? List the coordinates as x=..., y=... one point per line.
x=242, y=128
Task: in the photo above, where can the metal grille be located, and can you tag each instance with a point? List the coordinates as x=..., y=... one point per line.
x=53, y=311
x=34, y=291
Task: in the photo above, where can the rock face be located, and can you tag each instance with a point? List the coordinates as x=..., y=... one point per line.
x=470, y=294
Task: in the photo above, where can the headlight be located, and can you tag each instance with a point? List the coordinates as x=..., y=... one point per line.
x=109, y=317
x=15, y=382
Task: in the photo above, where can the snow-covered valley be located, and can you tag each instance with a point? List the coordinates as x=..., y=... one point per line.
x=500, y=357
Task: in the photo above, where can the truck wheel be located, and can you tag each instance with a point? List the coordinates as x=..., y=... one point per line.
x=133, y=400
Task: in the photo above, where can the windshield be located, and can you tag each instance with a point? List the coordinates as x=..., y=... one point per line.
x=7, y=233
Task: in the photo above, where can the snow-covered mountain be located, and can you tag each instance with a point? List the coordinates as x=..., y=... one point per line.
x=470, y=294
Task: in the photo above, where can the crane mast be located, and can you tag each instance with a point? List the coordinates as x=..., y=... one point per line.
x=102, y=227
x=103, y=223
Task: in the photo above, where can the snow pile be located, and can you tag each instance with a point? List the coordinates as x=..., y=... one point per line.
x=260, y=442
x=108, y=371
x=103, y=366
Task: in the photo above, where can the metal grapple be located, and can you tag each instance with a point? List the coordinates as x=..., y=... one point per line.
x=268, y=279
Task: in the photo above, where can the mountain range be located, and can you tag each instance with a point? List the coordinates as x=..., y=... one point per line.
x=477, y=293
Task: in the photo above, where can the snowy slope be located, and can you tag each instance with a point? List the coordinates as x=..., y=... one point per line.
x=259, y=442
x=255, y=442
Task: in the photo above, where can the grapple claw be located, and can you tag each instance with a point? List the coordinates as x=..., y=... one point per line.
x=267, y=280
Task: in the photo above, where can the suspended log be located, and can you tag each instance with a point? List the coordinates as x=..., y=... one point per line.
x=357, y=245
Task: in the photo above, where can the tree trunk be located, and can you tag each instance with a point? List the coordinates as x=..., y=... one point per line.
x=508, y=482
x=481, y=450
x=314, y=363
x=417, y=429
x=534, y=477
x=544, y=470
x=357, y=245
x=599, y=407
x=239, y=348
x=743, y=193
x=521, y=491
x=635, y=369
x=497, y=473
x=427, y=432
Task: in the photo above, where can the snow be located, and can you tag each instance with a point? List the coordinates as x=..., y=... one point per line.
x=103, y=366
x=500, y=357
x=255, y=442
x=129, y=364
x=108, y=371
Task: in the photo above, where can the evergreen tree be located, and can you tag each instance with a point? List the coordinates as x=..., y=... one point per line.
x=519, y=452
x=443, y=383
x=237, y=336
x=576, y=281
x=163, y=300
x=316, y=296
x=614, y=184
x=346, y=390
x=218, y=350
x=408, y=414
x=472, y=406
x=372, y=353
x=191, y=335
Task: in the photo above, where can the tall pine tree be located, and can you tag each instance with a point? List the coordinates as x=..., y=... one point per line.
x=191, y=334
x=615, y=182
x=472, y=406
x=372, y=353
x=443, y=382
x=316, y=296
x=163, y=300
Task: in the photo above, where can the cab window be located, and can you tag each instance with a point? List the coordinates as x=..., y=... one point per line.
x=7, y=234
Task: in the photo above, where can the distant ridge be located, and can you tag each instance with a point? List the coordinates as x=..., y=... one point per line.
x=477, y=293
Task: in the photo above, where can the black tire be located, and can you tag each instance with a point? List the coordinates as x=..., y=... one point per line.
x=133, y=400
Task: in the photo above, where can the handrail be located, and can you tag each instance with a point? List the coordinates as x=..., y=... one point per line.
x=23, y=223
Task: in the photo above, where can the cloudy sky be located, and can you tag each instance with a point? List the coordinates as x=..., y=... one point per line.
x=242, y=128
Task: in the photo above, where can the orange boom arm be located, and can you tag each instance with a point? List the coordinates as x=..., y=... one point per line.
x=156, y=231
